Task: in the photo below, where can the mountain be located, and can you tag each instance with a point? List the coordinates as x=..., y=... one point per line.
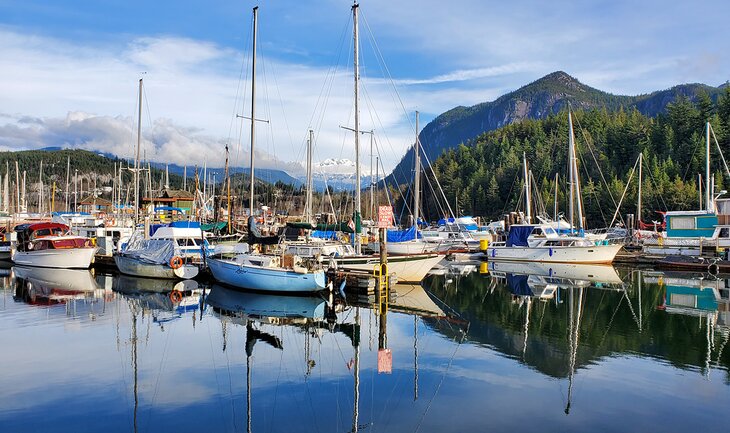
x=336, y=173
x=268, y=175
x=537, y=100
x=100, y=166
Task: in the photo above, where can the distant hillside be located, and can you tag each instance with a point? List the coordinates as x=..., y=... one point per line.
x=90, y=167
x=268, y=175
x=537, y=100
x=96, y=167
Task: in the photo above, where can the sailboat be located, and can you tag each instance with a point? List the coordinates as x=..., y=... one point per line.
x=247, y=270
x=407, y=267
x=540, y=242
x=409, y=241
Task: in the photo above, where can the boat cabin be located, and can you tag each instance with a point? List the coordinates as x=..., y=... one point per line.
x=47, y=236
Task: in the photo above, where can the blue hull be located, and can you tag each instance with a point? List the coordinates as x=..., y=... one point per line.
x=265, y=279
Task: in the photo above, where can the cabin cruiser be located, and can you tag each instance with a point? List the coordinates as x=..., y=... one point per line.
x=541, y=243
x=50, y=245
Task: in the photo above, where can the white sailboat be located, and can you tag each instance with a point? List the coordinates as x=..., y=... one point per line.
x=415, y=245
x=407, y=267
x=540, y=242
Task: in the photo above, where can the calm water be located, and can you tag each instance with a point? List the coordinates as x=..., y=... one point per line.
x=515, y=349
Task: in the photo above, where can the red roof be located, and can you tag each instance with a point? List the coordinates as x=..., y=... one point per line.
x=46, y=225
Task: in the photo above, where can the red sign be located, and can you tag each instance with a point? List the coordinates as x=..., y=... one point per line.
x=385, y=216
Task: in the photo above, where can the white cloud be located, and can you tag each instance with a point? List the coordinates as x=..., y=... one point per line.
x=440, y=57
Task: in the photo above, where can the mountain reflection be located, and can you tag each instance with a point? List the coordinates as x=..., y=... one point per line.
x=526, y=312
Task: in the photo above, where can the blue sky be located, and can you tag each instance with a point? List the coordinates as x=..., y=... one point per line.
x=68, y=70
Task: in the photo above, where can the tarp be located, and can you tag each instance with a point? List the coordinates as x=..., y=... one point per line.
x=402, y=235
x=301, y=225
x=168, y=209
x=155, y=251
x=444, y=221
x=517, y=285
x=327, y=234
x=518, y=236
x=220, y=225
x=338, y=227
x=185, y=224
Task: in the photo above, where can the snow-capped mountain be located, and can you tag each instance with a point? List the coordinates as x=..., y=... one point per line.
x=339, y=173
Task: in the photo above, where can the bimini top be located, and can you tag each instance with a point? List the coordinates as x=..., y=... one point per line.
x=518, y=235
x=42, y=227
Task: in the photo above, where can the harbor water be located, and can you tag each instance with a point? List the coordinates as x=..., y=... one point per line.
x=498, y=348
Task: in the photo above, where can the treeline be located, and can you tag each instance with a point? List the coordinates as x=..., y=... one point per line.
x=484, y=178
x=87, y=165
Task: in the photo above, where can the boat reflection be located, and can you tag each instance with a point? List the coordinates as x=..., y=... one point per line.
x=165, y=300
x=705, y=297
x=520, y=310
x=47, y=287
x=309, y=314
x=700, y=295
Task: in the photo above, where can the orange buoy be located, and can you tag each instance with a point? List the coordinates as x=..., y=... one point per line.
x=176, y=296
x=176, y=262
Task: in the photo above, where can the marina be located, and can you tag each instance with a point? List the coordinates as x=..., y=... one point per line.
x=379, y=217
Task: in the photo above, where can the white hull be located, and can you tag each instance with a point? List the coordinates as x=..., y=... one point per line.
x=138, y=268
x=572, y=271
x=67, y=258
x=408, y=269
x=405, y=247
x=64, y=279
x=568, y=254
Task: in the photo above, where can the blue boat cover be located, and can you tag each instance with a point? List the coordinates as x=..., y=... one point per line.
x=443, y=221
x=324, y=234
x=518, y=236
x=517, y=285
x=185, y=224
x=402, y=235
x=168, y=209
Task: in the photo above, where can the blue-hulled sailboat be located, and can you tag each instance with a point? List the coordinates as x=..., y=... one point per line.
x=248, y=270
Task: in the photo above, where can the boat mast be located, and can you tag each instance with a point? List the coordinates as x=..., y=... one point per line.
x=68, y=174
x=228, y=195
x=575, y=199
x=356, y=67
x=555, y=204
x=708, y=185
x=308, y=206
x=372, y=180
x=417, y=178
x=40, y=191
x=253, y=108
x=638, y=202
x=136, y=158
x=528, y=194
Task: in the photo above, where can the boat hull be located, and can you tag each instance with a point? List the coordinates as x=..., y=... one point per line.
x=265, y=279
x=130, y=266
x=70, y=280
x=407, y=268
x=67, y=258
x=602, y=254
x=600, y=273
x=405, y=247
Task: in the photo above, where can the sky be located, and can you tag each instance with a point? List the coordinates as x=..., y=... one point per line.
x=69, y=70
